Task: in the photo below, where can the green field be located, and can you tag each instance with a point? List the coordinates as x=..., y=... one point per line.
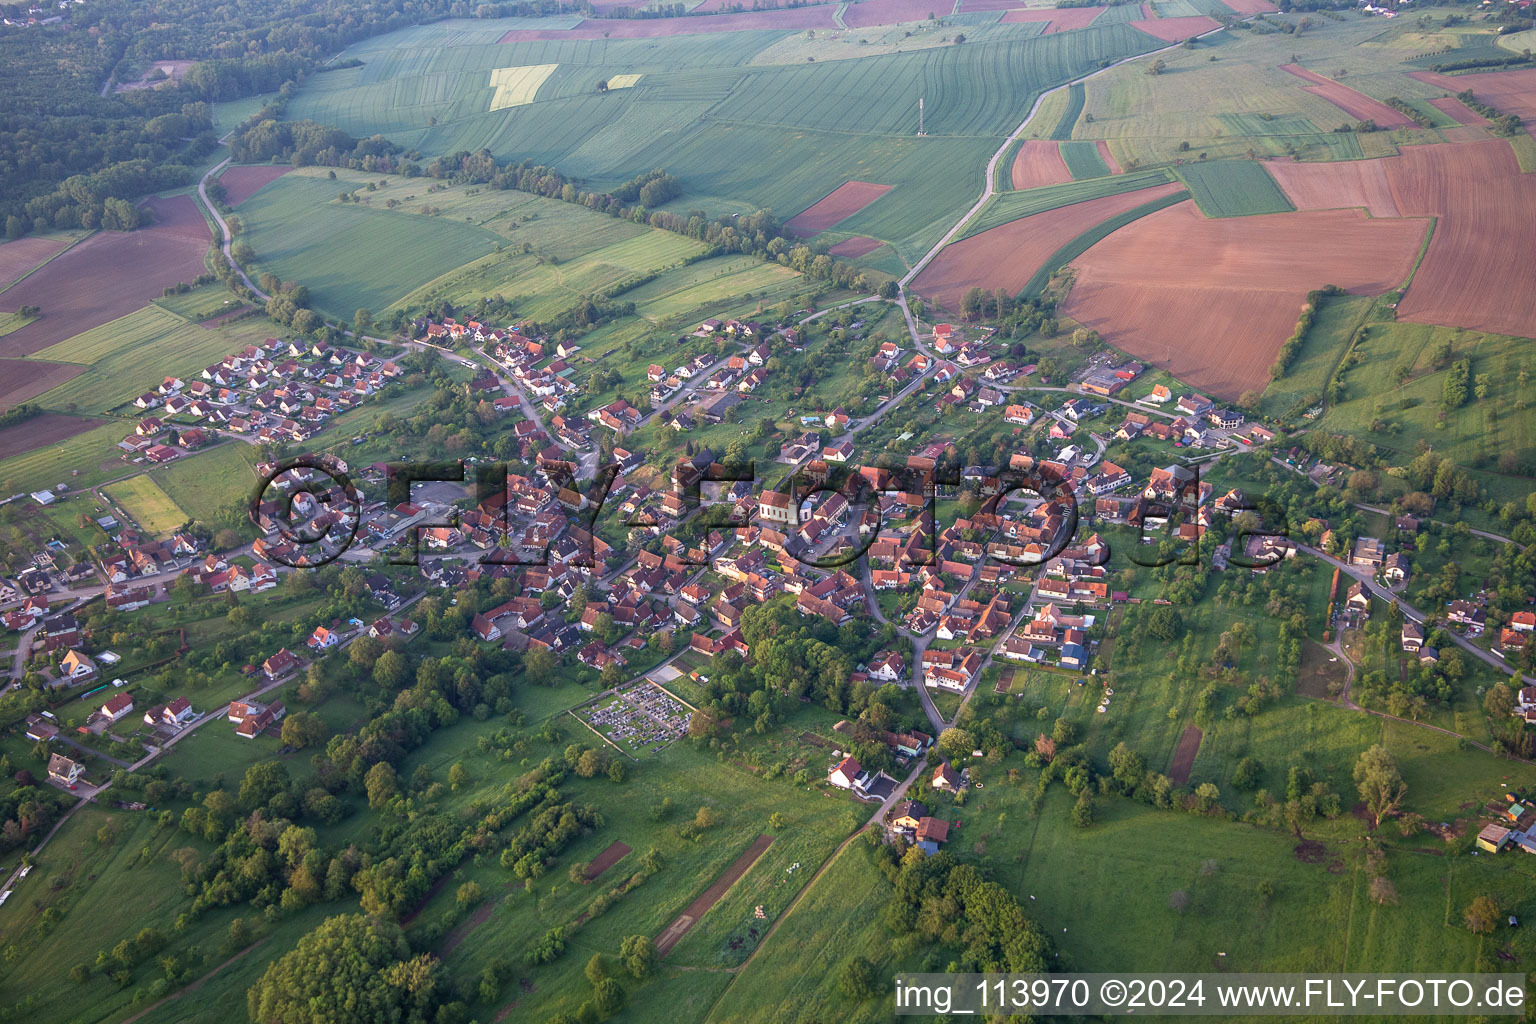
x=1077, y=97
x=1008, y=206
x=134, y=353
x=202, y=303
x=1083, y=160
x=207, y=485
x=90, y=454
x=1304, y=383
x=149, y=506
x=1233, y=188
x=1476, y=435
x=349, y=257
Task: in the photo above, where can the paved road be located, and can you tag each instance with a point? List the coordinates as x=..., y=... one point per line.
x=1409, y=611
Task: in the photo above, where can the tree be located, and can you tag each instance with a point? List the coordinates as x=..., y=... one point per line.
x=470, y=894
x=1082, y=811
x=539, y=664
x=350, y=968
x=1178, y=901
x=596, y=969
x=1482, y=916
x=262, y=782
x=638, y=955
x=1380, y=783
x=956, y=743
x=1499, y=701
x=381, y=784
x=365, y=651
x=1246, y=776
x=608, y=996
x=457, y=776
x=857, y=978
x=705, y=817
x=391, y=670
x=363, y=321
x=1165, y=623
x=304, y=729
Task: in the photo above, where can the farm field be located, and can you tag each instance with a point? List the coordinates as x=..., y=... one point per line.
x=133, y=354
x=1039, y=162
x=1233, y=188
x=1007, y=256
x=1508, y=92
x=1233, y=285
x=1462, y=280
x=242, y=182
x=90, y=453
x=300, y=234
x=149, y=506
x=836, y=206
x=1010, y=206
x=40, y=431
x=203, y=303
x=21, y=256
x=207, y=486
x=1356, y=105
x=84, y=287
x=1085, y=159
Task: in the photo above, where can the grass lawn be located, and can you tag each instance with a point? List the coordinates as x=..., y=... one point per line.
x=208, y=486
x=153, y=509
x=201, y=303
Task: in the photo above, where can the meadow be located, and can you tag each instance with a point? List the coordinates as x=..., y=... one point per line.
x=1321, y=351
x=208, y=486
x=352, y=258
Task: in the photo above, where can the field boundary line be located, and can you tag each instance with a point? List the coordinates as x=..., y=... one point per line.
x=50, y=259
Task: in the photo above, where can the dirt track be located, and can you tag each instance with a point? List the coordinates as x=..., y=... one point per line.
x=709, y=897
x=1184, y=755
x=605, y=860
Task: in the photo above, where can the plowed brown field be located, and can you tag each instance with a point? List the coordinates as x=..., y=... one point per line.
x=1508, y=92
x=1062, y=19
x=855, y=247
x=1176, y=30
x=1251, y=6
x=1008, y=255
x=1458, y=110
x=1476, y=271
x=1038, y=162
x=838, y=205
x=1212, y=300
x=240, y=183
x=1336, y=185
x=19, y=257
x=108, y=275
x=1357, y=105
x=24, y=379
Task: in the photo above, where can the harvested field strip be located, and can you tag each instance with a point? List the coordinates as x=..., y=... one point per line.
x=1176, y=30
x=1088, y=239
x=1084, y=159
x=1039, y=162
x=853, y=248
x=868, y=13
x=1008, y=256
x=1077, y=95
x=1211, y=300
x=86, y=286
x=624, y=82
x=516, y=87
x=1010, y=206
x=709, y=897
x=240, y=183
x=608, y=858
x=1108, y=157
x=838, y=205
x=1184, y=756
x=1251, y=6
x=795, y=20
x=1233, y=188
x=1357, y=105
